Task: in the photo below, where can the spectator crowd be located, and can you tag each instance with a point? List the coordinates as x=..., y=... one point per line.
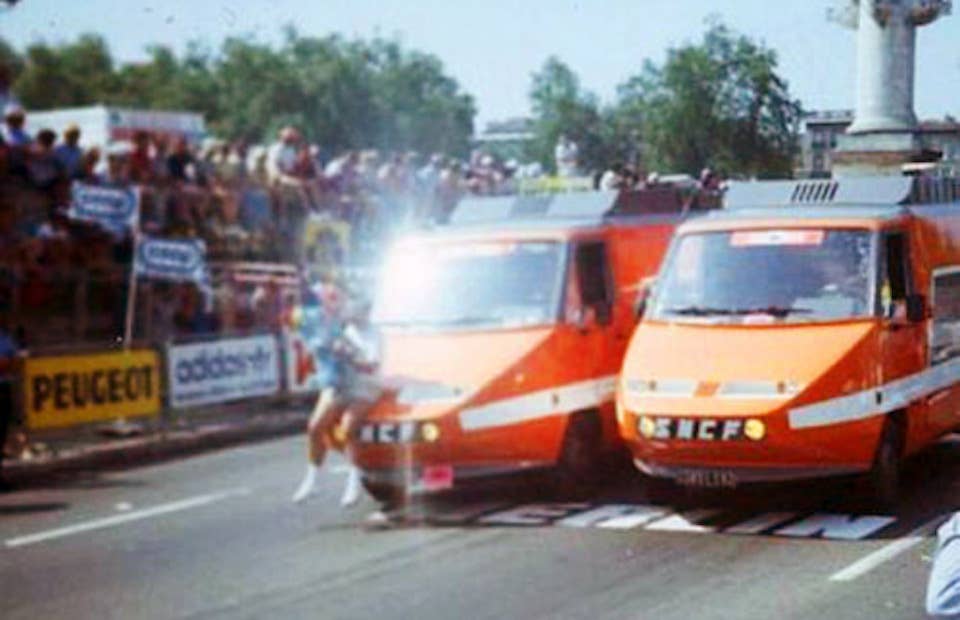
x=248, y=203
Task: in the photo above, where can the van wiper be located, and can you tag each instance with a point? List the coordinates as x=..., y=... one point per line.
x=699, y=311
x=775, y=311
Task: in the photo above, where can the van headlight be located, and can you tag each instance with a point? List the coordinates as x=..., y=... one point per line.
x=755, y=429
x=430, y=432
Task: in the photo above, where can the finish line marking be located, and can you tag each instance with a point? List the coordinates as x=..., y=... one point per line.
x=889, y=551
x=138, y=515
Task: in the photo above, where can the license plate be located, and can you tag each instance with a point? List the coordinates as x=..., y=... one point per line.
x=708, y=479
x=437, y=477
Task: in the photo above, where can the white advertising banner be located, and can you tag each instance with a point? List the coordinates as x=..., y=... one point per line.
x=214, y=372
x=116, y=209
x=177, y=260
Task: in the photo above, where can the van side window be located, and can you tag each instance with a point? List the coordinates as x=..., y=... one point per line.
x=593, y=278
x=895, y=285
x=945, y=329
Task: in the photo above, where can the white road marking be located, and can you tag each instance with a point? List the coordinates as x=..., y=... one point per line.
x=761, y=522
x=533, y=514
x=869, y=562
x=99, y=524
x=685, y=522
x=614, y=516
x=836, y=527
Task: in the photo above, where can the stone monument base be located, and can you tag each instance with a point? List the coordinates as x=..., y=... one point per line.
x=870, y=154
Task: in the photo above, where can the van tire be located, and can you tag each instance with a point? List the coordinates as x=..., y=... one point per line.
x=661, y=490
x=882, y=482
x=387, y=495
x=582, y=451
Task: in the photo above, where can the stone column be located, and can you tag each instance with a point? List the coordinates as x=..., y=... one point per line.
x=886, y=52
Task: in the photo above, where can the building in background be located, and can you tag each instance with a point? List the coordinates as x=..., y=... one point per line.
x=821, y=131
x=824, y=130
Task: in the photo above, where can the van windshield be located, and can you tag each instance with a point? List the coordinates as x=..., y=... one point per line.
x=761, y=276
x=474, y=284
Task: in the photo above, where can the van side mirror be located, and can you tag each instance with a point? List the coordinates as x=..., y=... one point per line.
x=644, y=293
x=916, y=308
x=640, y=306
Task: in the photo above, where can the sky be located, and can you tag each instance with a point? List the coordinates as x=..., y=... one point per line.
x=492, y=47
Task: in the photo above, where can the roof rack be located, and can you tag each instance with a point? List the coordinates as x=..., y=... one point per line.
x=662, y=199
x=859, y=191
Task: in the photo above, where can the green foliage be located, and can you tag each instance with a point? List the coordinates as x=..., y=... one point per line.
x=561, y=106
x=719, y=103
x=341, y=94
x=72, y=74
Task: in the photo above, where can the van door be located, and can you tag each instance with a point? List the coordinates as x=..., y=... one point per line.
x=595, y=283
x=902, y=341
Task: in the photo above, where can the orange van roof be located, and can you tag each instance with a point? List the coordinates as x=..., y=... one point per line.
x=803, y=217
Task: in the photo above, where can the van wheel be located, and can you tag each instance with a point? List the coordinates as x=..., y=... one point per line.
x=387, y=495
x=582, y=450
x=662, y=490
x=882, y=482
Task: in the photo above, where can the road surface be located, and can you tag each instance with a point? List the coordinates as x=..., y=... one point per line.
x=216, y=536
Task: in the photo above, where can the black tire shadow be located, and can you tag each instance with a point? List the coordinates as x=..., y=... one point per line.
x=23, y=509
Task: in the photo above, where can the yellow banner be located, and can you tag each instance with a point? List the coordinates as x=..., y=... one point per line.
x=74, y=389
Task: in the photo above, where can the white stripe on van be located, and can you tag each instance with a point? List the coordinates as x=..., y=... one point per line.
x=544, y=403
x=877, y=401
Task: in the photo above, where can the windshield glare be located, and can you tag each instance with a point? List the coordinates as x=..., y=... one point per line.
x=766, y=276
x=472, y=284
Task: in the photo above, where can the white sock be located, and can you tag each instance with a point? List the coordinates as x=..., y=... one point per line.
x=308, y=486
x=351, y=492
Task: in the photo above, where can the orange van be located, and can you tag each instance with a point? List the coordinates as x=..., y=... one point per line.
x=808, y=329
x=502, y=335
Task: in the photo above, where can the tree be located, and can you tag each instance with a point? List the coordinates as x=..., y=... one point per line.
x=561, y=106
x=73, y=74
x=719, y=103
x=341, y=94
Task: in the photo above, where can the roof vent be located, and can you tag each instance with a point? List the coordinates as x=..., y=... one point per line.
x=814, y=192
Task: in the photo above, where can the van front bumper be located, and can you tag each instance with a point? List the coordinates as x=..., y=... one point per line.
x=732, y=477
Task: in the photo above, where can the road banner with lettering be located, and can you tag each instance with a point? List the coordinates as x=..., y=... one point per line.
x=223, y=370
x=74, y=389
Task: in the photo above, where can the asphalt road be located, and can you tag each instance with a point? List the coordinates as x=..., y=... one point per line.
x=216, y=536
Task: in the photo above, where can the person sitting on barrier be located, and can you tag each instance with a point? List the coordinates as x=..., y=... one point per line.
x=343, y=403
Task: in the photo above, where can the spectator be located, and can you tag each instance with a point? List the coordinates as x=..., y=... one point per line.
x=141, y=164
x=566, y=155
x=89, y=167
x=429, y=175
x=613, y=178
x=181, y=164
x=282, y=157
x=69, y=153
x=118, y=165
x=43, y=167
x=13, y=134
x=160, y=171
